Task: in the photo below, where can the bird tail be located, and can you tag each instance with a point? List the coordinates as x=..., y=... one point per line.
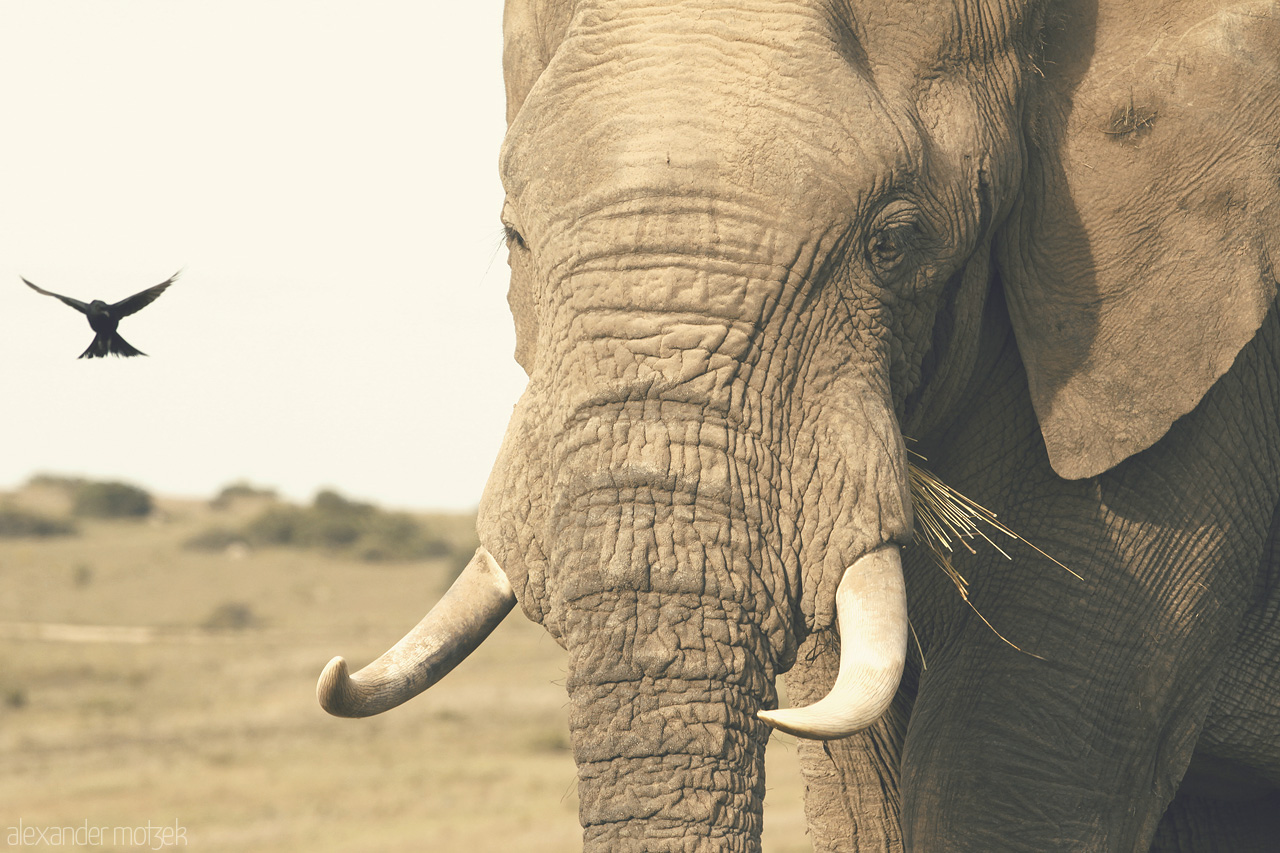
x=110, y=343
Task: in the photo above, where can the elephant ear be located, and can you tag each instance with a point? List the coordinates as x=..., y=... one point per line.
x=1138, y=260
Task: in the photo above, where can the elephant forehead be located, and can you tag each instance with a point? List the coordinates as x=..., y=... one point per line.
x=726, y=255
x=638, y=286
x=760, y=102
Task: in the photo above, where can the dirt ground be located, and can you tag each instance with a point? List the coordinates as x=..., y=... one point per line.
x=121, y=708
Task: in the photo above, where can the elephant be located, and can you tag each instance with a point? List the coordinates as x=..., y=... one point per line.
x=766, y=257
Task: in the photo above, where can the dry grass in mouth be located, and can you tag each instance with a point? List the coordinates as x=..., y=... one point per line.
x=944, y=517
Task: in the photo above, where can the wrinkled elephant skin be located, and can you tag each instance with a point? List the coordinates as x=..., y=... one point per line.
x=753, y=245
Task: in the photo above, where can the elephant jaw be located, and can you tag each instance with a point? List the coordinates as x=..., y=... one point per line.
x=478, y=600
x=871, y=612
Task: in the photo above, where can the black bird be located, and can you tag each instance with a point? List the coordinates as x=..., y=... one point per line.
x=104, y=318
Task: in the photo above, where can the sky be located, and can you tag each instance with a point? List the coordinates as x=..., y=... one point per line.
x=325, y=176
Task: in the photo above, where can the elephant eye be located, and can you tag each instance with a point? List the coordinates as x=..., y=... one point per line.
x=514, y=238
x=888, y=247
x=895, y=237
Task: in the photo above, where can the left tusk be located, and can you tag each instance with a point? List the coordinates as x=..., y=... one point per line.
x=871, y=610
x=478, y=600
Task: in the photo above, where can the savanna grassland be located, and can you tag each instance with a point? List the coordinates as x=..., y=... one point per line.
x=146, y=681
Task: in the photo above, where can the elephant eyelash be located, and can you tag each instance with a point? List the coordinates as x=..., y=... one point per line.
x=514, y=237
x=887, y=249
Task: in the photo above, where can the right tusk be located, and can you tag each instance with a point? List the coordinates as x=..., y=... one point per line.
x=478, y=600
x=871, y=610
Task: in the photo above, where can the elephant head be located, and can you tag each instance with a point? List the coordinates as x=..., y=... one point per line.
x=751, y=244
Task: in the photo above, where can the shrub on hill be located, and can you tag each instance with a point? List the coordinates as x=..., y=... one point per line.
x=97, y=498
x=215, y=539
x=57, y=481
x=20, y=523
x=241, y=490
x=110, y=499
x=337, y=524
x=232, y=616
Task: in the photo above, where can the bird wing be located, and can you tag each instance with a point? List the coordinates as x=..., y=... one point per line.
x=141, y=300
x=74, y=303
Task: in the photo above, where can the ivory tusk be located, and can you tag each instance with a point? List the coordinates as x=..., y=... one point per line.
x=459, y=622
x=871, y=611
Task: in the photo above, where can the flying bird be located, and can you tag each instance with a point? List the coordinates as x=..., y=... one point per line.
x=104, y=318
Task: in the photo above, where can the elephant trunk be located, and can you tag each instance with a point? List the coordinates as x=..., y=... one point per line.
x=677, y=625
x=669, y=749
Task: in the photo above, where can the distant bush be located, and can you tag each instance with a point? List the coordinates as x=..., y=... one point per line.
x=327, y=500
x=58, y=481
x=215, y=539
x=277, y=525
x=231, y=616
x=337, y=524
x=240, y=490
x=15, y=697
x=82, y=575
x=111, y=500
x=399, y=536
x=20, y=523
x=334, y=521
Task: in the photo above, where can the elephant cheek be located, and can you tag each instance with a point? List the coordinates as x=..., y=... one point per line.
x=856, y=496
x=509, y=516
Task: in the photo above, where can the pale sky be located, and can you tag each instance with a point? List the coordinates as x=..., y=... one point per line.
x=326, y=175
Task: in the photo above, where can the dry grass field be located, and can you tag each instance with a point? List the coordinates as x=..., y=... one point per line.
x=144, y=683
